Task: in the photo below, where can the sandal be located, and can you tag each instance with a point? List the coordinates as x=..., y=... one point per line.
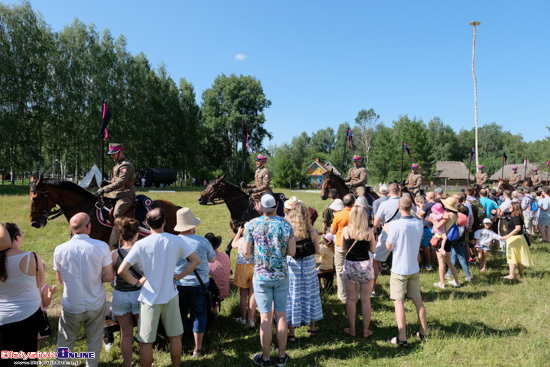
x=395, y=341
x=291, y=338
x=348, y=331
x=423, y=338
x=312, y=333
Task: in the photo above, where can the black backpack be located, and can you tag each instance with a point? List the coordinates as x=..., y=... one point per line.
x=479, y=214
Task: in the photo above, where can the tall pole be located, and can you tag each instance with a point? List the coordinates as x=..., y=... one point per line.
x=475, y=23
x=244, y=146
x=344, y=155
x=402, y=149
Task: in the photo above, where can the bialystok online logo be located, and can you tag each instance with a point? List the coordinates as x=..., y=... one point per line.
x=62, y=353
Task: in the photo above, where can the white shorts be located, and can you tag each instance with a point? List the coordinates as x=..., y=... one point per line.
x=124, y=302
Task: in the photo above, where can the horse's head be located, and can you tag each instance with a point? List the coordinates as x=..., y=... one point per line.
x=216, y=189
x=331, y=180
x=325, y=186
x=41, y=202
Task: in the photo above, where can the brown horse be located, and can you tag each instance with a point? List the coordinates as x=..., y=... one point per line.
x=503, y=184
x=331, y=180
x=46, y=194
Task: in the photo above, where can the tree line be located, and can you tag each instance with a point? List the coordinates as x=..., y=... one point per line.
x=52, y=85
x=381, y=147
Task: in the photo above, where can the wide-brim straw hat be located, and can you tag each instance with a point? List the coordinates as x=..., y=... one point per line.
x=5, y=240
x=293, y=200
x=450, y=204
x=185, y=220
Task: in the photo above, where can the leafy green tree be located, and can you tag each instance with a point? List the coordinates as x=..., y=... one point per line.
x=366, y=122
x=445, y=143
x=225, y=105
x=286, y=173
x=323, y=140
x=415, y=134
x=386, y=155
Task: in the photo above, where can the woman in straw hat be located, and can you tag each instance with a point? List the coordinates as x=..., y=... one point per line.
x=444, y=253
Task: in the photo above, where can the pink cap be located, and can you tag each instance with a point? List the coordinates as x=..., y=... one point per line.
x=514, y=168
x=535, y=169
x=438, y=208
x=329, y=237
x=480, y=167
x=414, y=165
x=356, y=158
x=261, y=158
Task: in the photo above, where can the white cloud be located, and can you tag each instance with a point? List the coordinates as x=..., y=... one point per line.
x=240, y=57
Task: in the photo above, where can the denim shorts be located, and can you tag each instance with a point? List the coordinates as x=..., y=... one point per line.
x=193, y=302
x=124, y=302
x=271, y=292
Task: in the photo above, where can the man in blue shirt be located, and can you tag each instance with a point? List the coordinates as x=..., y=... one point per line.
x=489, y=205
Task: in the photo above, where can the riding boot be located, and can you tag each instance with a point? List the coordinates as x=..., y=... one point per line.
x=113, y=239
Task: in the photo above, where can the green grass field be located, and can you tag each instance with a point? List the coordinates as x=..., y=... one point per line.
x=489, y=322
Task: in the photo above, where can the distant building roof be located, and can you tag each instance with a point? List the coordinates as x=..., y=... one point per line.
x=315, y=164
x=451, y=170
x=508, y=170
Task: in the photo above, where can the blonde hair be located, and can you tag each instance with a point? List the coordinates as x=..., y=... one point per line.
x=358, y=224
x=299, y=220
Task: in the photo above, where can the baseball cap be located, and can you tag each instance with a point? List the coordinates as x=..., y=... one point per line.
x=487, y=220
x=383, y=188
x=268, y=203
x=439, y=191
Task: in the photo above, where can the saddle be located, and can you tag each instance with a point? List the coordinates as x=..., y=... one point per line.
x=139, y=209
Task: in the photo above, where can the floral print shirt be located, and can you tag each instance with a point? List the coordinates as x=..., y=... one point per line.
x=270, y=236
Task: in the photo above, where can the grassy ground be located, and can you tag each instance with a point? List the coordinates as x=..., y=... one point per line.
x=489, y=322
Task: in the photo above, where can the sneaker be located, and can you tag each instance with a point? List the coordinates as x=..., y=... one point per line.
x=439, y=285
x=468, y=279
x=108, y=346
x=259, y=360
x=250, y=324
x=241, y=321
x=373, y=294
x=429, y=267
x=447, y=276
x=281, y=361
x=454, y=284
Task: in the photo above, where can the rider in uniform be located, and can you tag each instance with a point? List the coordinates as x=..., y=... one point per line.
x=536, y=178
x=262, y=179
x=515, y=178
x=481, y=177
x=121, y=188
x=357, y=177
x=414, y=180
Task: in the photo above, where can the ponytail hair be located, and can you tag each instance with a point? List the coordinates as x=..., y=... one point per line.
x=127, y=228
x=13, y=231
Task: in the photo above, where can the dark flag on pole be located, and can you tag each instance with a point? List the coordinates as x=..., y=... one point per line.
x=407, y=150
x=504, y=157
x=472, y=155
x=350, y=140
x=105, y=117
x=245, y=132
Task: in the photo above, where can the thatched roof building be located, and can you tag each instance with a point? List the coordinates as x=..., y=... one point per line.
x=508, y=170
x=451, y=170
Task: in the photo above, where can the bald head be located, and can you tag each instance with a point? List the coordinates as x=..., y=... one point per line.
x=430, y=196
x=349, y=200
x=405, y=205
x=79, y=223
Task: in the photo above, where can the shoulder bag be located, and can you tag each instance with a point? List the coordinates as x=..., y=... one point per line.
x=304, y=248
x=43, y=322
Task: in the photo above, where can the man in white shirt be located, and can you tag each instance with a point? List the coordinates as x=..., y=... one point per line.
x=82, y=265
x=404, y=236
x=157, y=256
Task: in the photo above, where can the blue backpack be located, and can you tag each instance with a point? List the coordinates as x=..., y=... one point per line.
x=533, y=205
x=453, y=233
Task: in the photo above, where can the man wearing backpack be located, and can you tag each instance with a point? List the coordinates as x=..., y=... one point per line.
x=528, y=203
x=478, y=210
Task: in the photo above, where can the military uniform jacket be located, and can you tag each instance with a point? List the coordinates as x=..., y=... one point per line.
x=514, y=178
x=536, y=180
x=263, y=179
x=481, y=178
x=357, y=176
x=122, y=185
x=414, y=180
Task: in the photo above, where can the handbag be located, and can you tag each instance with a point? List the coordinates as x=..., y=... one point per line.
x=43, y=322
x=304, y=248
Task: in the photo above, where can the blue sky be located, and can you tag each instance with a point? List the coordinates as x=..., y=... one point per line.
x=320, y=62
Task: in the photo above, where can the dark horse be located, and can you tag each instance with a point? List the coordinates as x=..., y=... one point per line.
x=504, y=184
x=241, y=208
x=331, y=180
x=47, y=193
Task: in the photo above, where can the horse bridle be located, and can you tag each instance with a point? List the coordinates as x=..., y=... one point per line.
x=46, y=214
x=217, y=201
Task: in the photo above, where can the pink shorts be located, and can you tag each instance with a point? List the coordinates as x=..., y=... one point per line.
x=358, y=271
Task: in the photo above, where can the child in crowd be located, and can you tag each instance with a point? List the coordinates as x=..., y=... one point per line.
x=483, y=238
x=46, y=294
x=327, y=252
x=244, y=272
x=438, y=213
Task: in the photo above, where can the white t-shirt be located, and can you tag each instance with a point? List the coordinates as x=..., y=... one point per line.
x=157, y=255
x=405, y=234
x=80, y=262
x=486, y=236
x=505, y=206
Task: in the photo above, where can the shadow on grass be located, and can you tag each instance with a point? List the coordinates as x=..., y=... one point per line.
x=472, y=329
x=449, y=292
x=14, y=190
